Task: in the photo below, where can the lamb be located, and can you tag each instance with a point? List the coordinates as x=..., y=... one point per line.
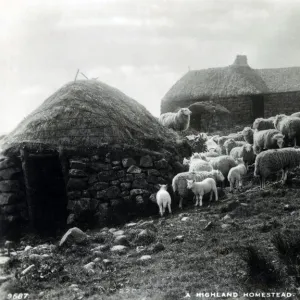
x=275, y=160
x=267, y=139
x=179, y=121
x=201, y=188
x=263, y=124
x=163, y=199
x=248, y=135
x=199, y=163
x=236, y=173
x=230, y=144
x=246, y=153
x=290, y=127
x=179, y=183
x=211, y=145
x=223, y=163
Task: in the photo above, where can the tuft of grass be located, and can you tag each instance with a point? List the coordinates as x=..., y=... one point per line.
x=260, y=268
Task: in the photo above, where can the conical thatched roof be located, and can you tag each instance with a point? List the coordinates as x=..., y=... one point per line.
x=234, y=80
x=88, y=114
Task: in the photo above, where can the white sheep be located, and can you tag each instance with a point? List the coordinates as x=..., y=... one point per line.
x=248, y=135
x=211, y=145
x=275, y=160
x=290, y=127
x=267, y=139
x=296, y=114
x=236, y=174
x=203, y=187
x=163, y=199
x=199, y=163
x=263, y=124
x=179, y=183
x=245, y=152
x=223, y=163
x=179, y=121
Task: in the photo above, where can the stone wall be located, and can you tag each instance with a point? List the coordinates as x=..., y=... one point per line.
x=13, y=208
x=281, y=103
x=112, y=188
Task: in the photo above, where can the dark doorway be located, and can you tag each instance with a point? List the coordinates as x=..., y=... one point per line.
x=46, y=193
x=258, y=107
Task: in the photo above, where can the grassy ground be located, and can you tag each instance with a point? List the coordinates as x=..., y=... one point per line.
x=232, y=255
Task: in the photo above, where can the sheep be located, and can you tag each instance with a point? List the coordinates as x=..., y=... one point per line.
x=235, y=174
x=179, y=181
x=179, y=121
x=275, y=160
x=223, y=163
x=289, y=127
x=210, y=153
x=201, y=188
x=230, y=144
x=297, y=114
x=223, y=139
x=246, y=153
x=163, y=199
x=211, y=145
x=267, y=139
x=199, y=163
x=263, y=124
x=248, y=135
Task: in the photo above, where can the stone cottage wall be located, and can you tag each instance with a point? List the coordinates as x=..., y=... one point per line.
x=113, y=188
x=281, y=103
x=13, y=207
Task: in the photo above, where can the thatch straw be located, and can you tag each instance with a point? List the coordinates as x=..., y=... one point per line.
x=88, y=113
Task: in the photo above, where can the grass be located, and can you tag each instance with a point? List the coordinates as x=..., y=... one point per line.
x=257, y=250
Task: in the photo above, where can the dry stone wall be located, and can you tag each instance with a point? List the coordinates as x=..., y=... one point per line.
x=113, y=188
x=13, y=207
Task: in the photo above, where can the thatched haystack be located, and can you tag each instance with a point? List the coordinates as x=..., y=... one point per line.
x=88, y=154
x=207, y=116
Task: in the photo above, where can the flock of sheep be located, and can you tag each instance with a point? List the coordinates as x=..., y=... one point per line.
x=271, y=145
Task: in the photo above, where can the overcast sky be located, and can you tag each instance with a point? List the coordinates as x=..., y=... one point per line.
x=141, y=47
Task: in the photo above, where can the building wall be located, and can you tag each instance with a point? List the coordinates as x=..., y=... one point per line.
x=281, y=103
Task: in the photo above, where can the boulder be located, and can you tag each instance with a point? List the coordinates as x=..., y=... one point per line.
x=134, y=170
x=74, y=235
x=161, y=164
x=139, y=184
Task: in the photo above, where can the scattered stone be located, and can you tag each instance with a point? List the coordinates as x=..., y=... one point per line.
x=289, y=207
x=184, y=219
x=134, y=170
x=75, y=235
x=208, y=226
x=227, y=217
x=130, y=225
x=140, y=249
x=27, y=270
x=244, y=204
x=27, y=248
x=145, y=237
x=118, y=232
x=111, y=230
x=229, y=206
x=89, y=266
x=118, y=248
x=116, y=163
x=107, y=262
x=157, y=247
x=71, y=219
x=121, y=240
x=178, y=238
x=72, y=286
x=224, y=226
x=145, y=257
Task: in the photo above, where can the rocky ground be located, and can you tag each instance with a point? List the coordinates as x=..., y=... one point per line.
x=244, y=243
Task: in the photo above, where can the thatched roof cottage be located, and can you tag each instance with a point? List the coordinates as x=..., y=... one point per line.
x=89, y=153
x=247, y=93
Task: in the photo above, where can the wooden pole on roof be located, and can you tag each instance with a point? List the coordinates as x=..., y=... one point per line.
x=76, y=75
